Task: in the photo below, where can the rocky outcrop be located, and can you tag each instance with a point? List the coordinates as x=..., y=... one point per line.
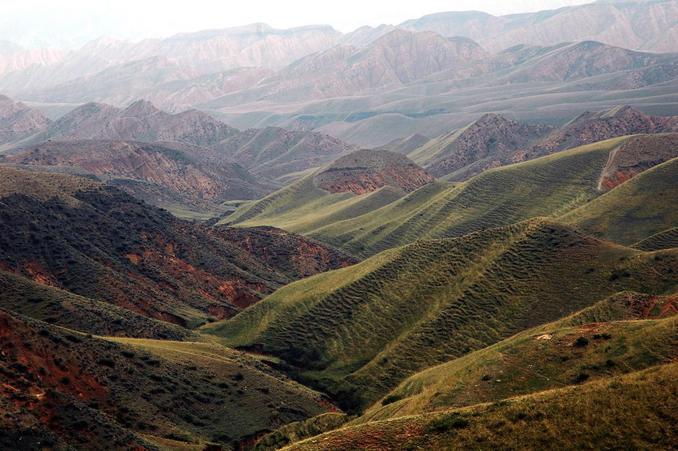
x=636, y=155
x=365, y=171
x=597, y=126
x=490, y=141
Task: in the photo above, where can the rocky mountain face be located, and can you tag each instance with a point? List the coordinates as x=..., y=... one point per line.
x=393, y=60
x=140, y=121
x=167, y=175
x=636, y=155
x=187, y=158
x=199, y=53
x=17, y=121
x=639, y=25
x=494, y=140
x=274, y=152
x=590, y=127
x=365, y=171
x=101, y=243
x=490, y=141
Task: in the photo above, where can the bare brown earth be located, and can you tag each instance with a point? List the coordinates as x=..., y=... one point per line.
x=365, y=171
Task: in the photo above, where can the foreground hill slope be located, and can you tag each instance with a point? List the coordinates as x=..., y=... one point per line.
x=96, y=241
x=637, y=410
x=62, y=389
x=359, y=331
x=567, y=352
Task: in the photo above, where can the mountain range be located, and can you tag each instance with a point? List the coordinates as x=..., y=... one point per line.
x=455, y=232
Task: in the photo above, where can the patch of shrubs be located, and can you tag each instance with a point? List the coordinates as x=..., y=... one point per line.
x=391, y=399
x=581, y=342
x=581, y=377
x=447, y=423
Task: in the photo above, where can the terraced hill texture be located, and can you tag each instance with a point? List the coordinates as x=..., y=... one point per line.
x=358, y=332
x=61, y=389
x=637, y=409
x=549, y=186
x=96, y=241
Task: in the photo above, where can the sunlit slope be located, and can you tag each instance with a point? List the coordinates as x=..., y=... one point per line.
x=538, y=359
x=635, y=210
x=303, y=207
x=638, y=410
x=357, y=332
x=549, y=186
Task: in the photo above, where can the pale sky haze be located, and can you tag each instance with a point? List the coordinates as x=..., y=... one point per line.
x=71, y=23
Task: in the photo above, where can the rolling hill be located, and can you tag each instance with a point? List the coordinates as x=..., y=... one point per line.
x=62, y=389
x=358, y=332
x=549, y=186
x=355, y=184
x=567, y=352
x=96, y=241
x=637, y=409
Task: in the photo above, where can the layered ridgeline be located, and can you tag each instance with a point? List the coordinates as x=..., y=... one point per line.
x=356, y=184
x=79, y=235
x=64, y=390
x=186, y=162
x=549, y=186
x=358, y=332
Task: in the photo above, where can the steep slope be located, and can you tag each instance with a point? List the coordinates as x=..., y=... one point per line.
x=591, y=127
x=273, y=152
x=17, y=121
x=62, y=308
x=548, y=186
x=359, y=331
x=168, y=175
x=642, y=25
x=406, y=145
x=140, y=121
x=493, y=140
x=638, y=408
x=637, y=209
x=99, y=242
x=354, y=185
x=393, y=60
x=563, y=353
x=62, y=389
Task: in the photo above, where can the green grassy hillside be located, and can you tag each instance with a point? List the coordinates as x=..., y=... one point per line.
x=635, y=411
x=302, y=207
x=543, y=358
x=549, y=186
x=357, y=332
x=635, y=210
x=662, y=240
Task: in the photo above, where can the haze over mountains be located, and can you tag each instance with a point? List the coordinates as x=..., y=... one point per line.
x=460, y=231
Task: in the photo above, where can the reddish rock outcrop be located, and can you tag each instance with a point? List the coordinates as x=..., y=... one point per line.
x=365, y=171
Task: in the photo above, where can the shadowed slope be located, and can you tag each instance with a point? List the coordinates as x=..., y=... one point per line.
x=359, y=331
x=98, y=242
x=75, y=391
